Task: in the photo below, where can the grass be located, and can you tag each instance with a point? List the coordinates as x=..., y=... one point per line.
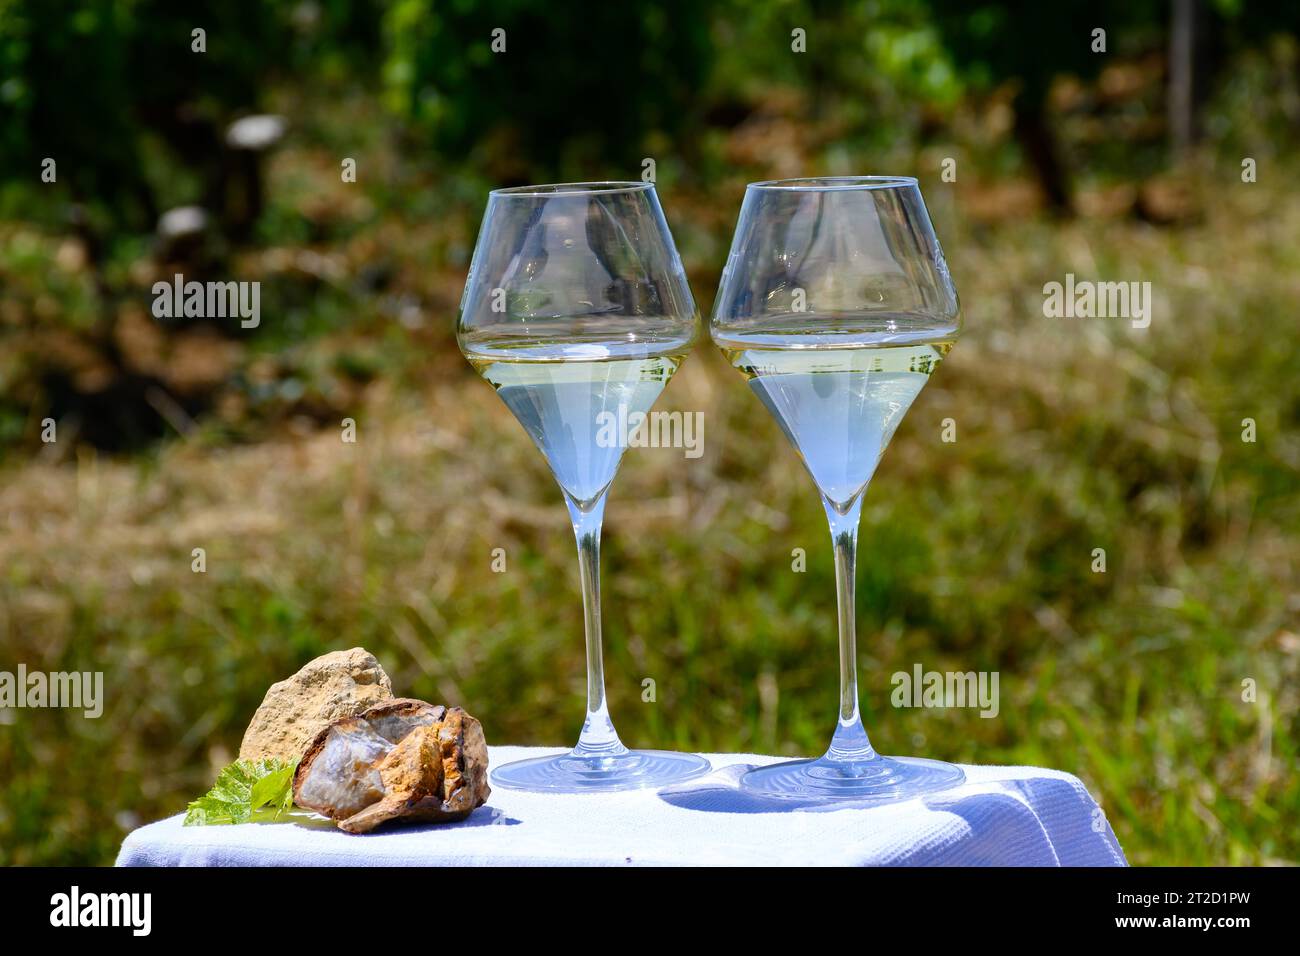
x=977, y=554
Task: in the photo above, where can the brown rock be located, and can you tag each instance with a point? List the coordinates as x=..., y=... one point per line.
x=402, y=760
x=294, y=711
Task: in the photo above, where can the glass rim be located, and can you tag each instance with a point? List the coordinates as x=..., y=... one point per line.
x=830, y=183
x=603, y=187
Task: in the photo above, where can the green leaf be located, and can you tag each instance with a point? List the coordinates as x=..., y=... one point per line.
x=242, y=789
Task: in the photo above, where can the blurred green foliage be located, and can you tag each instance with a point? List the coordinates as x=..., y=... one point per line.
x=88, y=85
x=586, y=82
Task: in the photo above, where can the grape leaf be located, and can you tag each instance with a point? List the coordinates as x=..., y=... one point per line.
x=241, y=790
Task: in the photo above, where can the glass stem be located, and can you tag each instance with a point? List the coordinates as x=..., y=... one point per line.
x=599, y=738
x=850, y=743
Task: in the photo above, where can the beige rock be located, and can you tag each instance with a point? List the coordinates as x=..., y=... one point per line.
x=402, y=760
x=294, y=711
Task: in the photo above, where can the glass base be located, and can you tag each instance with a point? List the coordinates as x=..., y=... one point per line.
x=877, y=780
x=570, y=773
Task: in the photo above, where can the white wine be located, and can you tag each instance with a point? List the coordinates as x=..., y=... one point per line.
x=577, y=311
x=565, y=394
x=838, y=404
x=837, y=306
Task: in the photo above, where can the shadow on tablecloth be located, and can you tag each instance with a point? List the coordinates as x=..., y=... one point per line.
x=1048, y=820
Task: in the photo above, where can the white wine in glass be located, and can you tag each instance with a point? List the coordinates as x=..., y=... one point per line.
x=837, y=307
x=563, y=396
x=577, y=312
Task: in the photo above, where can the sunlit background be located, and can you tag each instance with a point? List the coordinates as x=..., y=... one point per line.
x=978, y=554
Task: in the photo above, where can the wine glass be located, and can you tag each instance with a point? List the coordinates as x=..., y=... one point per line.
x=576, y=310
x=836, y=305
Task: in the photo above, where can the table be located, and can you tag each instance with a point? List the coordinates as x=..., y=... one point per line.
x=1020, y=816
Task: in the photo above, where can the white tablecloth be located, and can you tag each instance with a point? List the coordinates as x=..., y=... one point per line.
x=1017, y=816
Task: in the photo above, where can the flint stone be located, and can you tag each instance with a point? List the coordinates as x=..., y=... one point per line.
x=403, y=760
x=341, y=684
